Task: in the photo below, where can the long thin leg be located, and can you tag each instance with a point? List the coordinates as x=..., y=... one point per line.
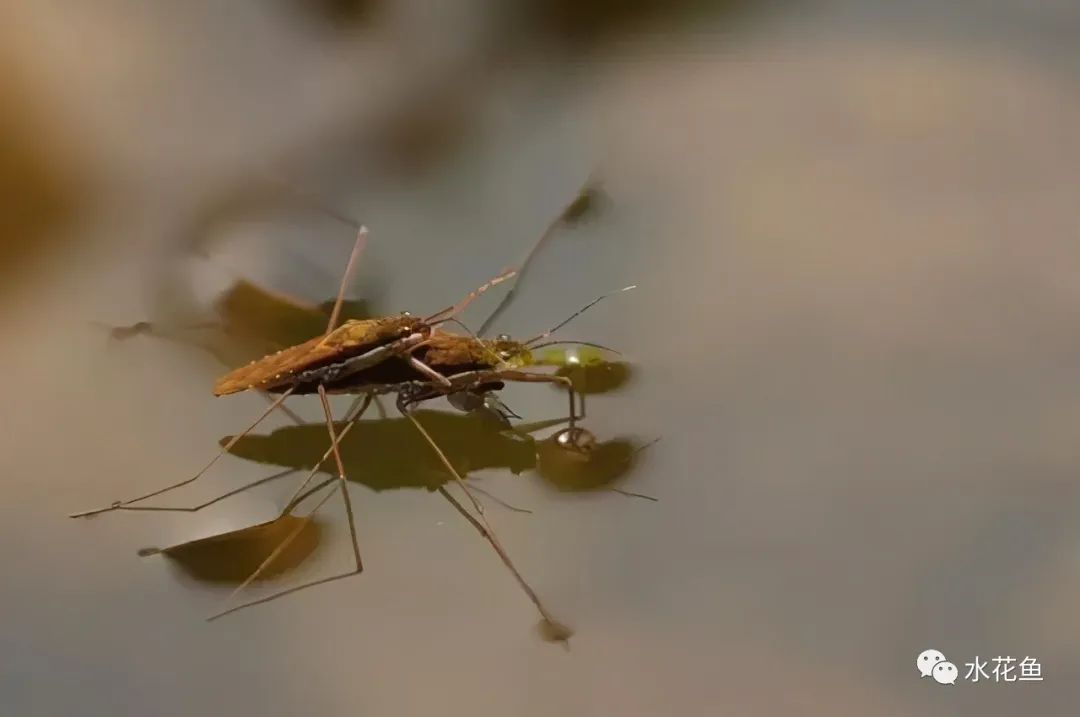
x=525, y=377
x=428, y=371
x=358, y=246
x=291, y=505
x=630, y=494
x=228, y=447
x=451, y=311
x=283, y=408
x=354, y=364
x=379, y=408
x=476, y=377
x=500, y=501
x=463, y=381
x=313, y=201
x=283, y=593
x=482, y=525
x=212, y=501
x=477, y=506
x=270, y=559
x=351, y=417
x=344, y=484
x=557, y=628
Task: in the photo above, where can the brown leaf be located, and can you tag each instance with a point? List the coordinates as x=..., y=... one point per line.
x=231, y=557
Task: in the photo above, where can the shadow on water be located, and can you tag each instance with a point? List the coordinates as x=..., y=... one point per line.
x=389, y=453
x=471, y=442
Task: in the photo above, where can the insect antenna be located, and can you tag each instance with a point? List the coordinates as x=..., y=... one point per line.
x=576, y=343
x=576, y=314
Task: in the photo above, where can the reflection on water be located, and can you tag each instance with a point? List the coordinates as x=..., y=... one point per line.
x=471, y=441
x=588, y=367
x=602, y=467
x=597, y=378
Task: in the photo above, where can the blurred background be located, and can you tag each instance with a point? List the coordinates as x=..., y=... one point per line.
x=854, y=228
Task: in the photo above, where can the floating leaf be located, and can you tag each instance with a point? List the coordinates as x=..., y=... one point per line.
x=250, y=311
x=231, y=557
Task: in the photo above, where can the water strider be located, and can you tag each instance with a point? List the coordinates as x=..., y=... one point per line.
x=413, y=358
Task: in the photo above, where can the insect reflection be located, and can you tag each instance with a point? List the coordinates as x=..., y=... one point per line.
x=473, y=442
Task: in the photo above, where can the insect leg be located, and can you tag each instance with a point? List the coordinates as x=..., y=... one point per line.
x=451, y=311
x=334, y=440
x=381, y=409
x=351, y=418
x=350, y=366
x=228, y=447
x=270, y=559
x=358, y=247
x=525, y=377
x=500, y=501
x=428, y=371
x=482, y=525
x=477, y=377
x=344, y=483
x=212, y=501
x=269, y=397
x=556, y=628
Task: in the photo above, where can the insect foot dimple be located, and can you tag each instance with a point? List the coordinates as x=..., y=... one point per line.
x=144, y=552
x=578, y=439
x=554, y=631
x=116, y=504
x=465, y=401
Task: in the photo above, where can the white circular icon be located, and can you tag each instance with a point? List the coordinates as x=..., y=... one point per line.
x=926, y=661
x=945, y=673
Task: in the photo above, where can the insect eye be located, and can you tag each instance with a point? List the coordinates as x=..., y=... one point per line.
x=504, y=354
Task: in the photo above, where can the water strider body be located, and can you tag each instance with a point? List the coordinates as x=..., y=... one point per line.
x=372, y=353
